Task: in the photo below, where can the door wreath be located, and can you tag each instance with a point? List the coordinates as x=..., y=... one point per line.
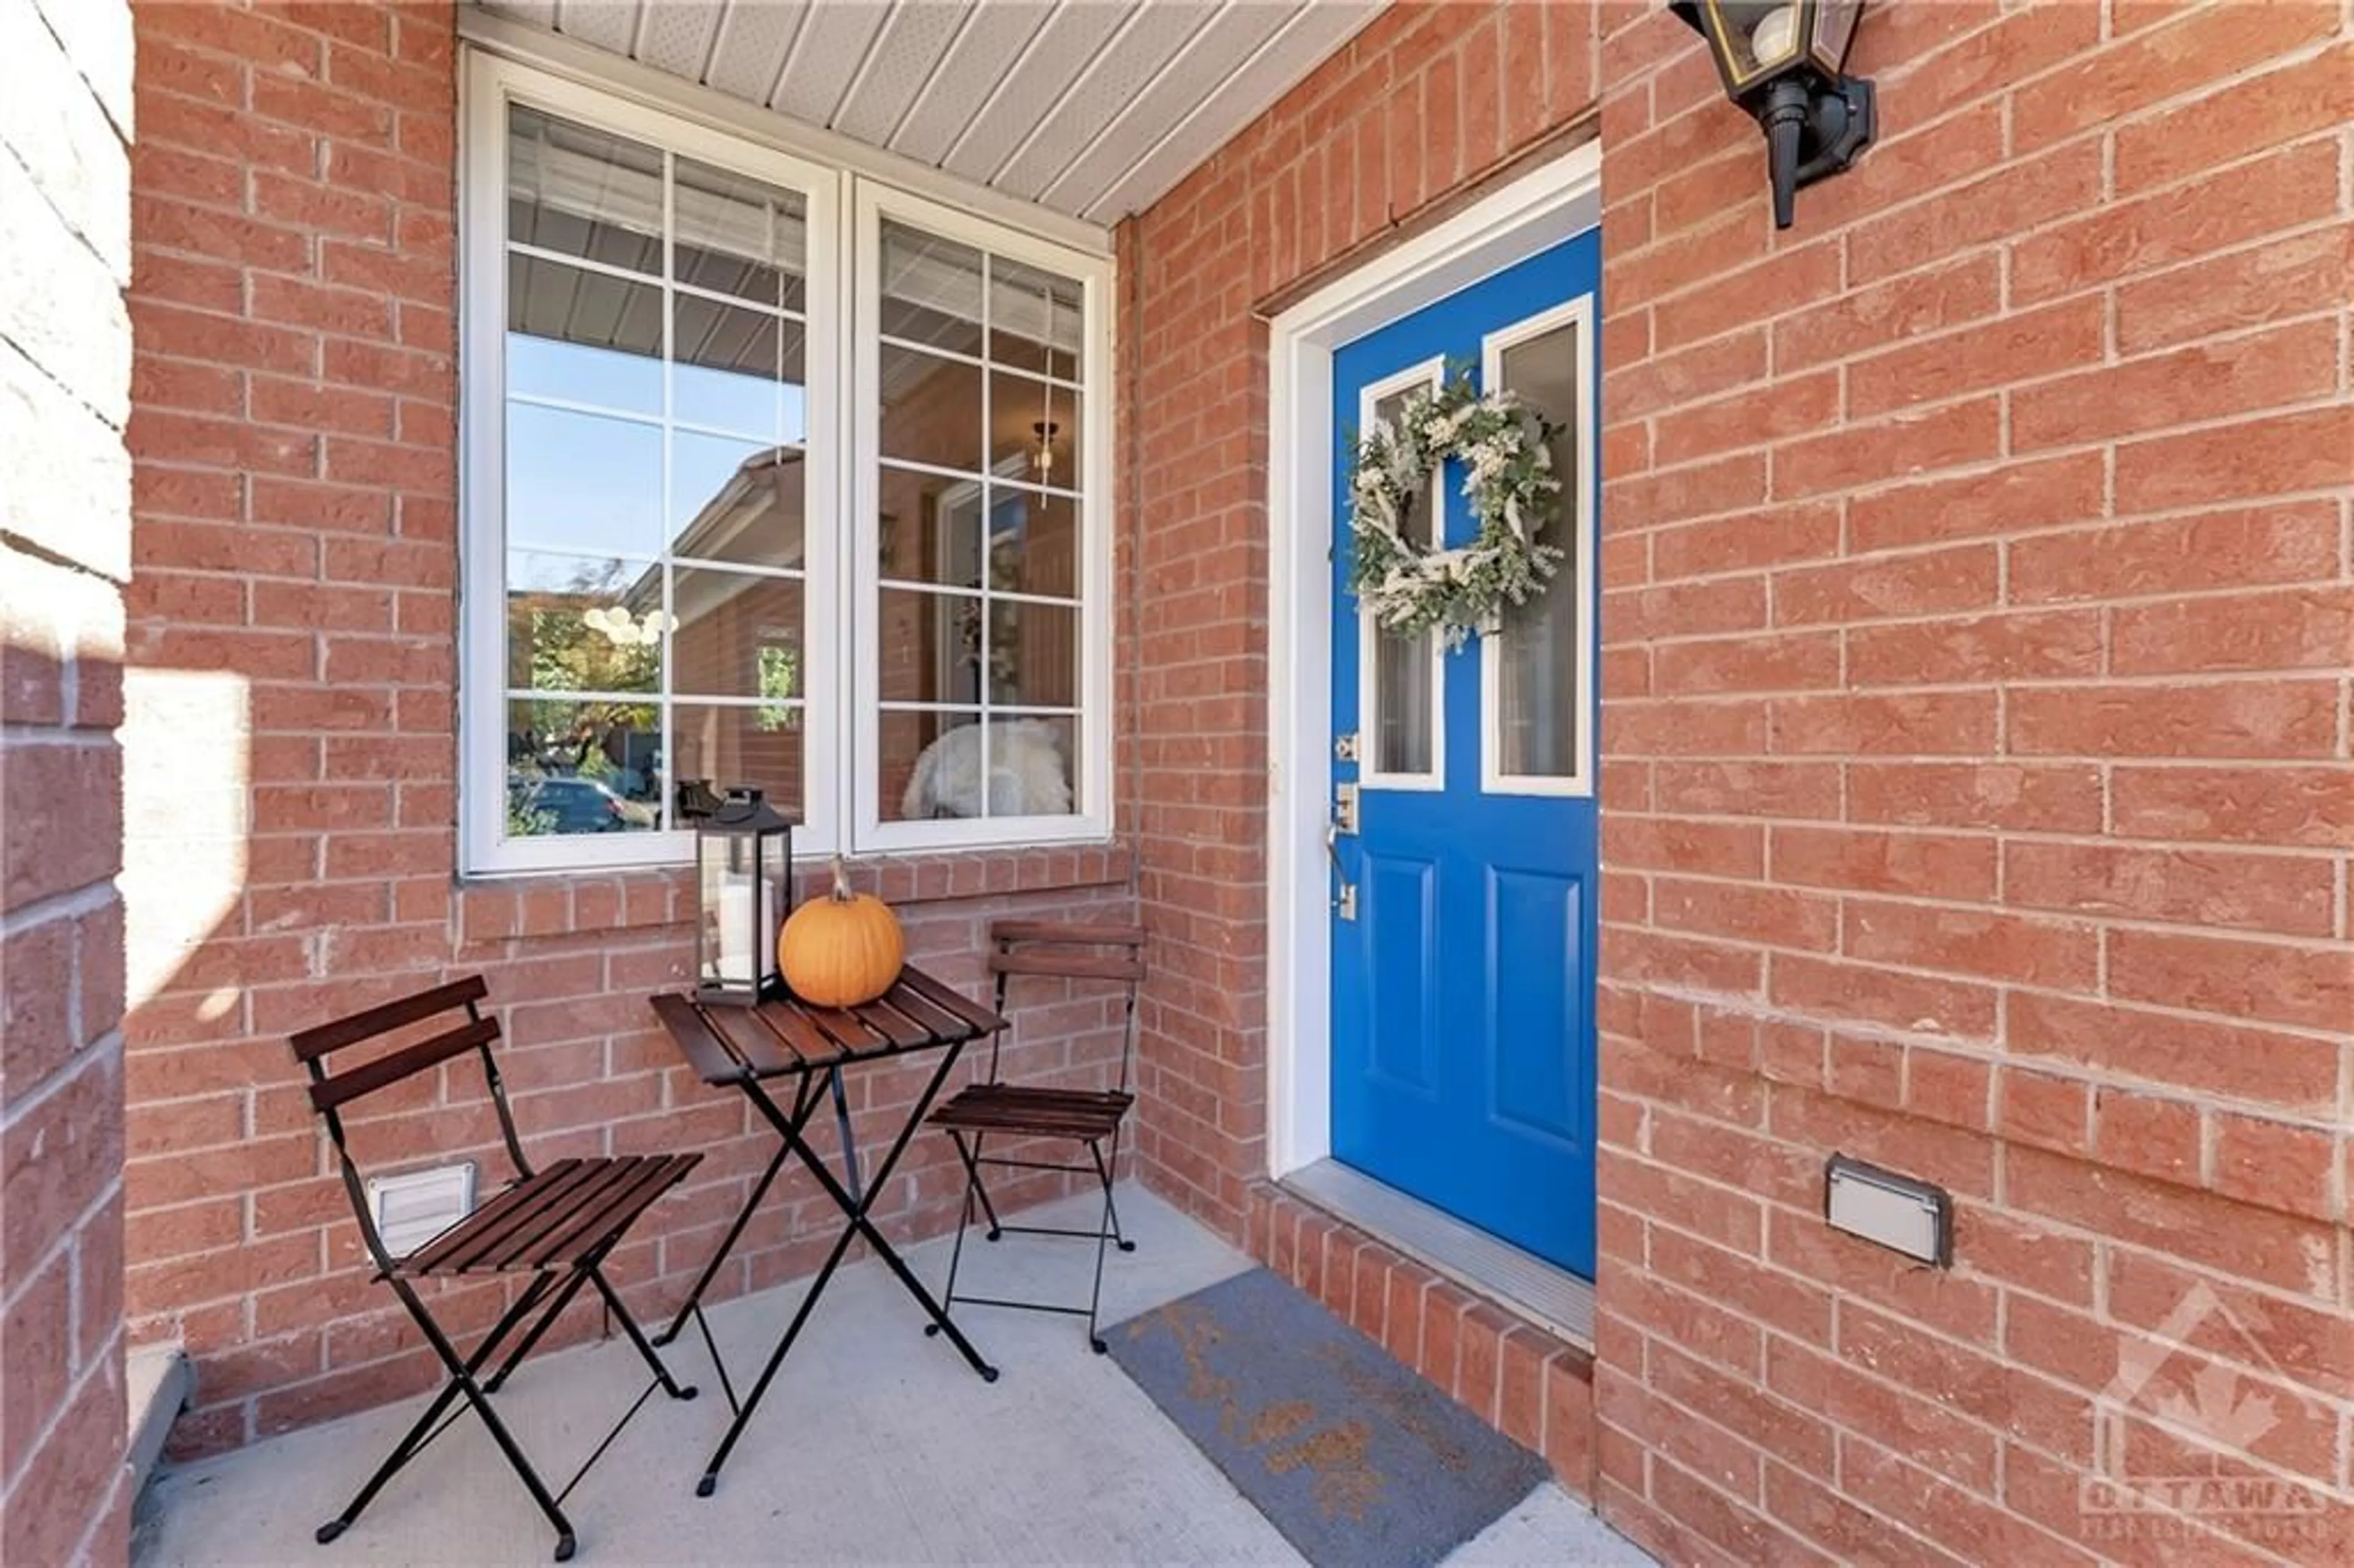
x=1508, y=479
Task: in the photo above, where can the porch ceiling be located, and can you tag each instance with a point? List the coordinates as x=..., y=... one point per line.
x=1090, y=108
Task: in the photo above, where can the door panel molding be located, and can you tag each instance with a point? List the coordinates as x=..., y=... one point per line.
x=1551, y=203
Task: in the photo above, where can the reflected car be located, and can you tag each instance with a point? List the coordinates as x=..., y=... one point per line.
x=577, y=806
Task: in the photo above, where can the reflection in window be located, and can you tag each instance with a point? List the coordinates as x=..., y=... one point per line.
x=981, y=412
x=656, y=495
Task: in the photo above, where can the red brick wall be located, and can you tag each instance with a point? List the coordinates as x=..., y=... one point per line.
x=1978, y=622
x=65, y=550
x=292, y=840
x=1976, y=793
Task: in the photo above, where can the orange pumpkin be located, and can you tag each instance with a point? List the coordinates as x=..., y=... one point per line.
x=842, y=949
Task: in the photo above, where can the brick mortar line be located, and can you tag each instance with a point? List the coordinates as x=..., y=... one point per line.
x=2031, y=914
x=1761, y=1011
x=2001, y=246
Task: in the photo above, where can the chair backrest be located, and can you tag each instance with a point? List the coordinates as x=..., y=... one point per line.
x=439, y=1039
x=1079, y=950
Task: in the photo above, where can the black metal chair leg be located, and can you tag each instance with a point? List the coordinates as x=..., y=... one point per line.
x=613, y=1306
x=424, y=1431
x=1119, y=1236
x=571, y=1287
x=1104, y=1230
x=461, y=1382
x=964, y=1223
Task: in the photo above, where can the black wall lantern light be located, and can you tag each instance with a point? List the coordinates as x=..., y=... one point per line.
x=1784, y=61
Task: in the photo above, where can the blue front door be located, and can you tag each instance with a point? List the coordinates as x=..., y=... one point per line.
x=1463, y=923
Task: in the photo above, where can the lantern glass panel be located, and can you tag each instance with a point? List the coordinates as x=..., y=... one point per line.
x=1773, y=40
x=1835, y=23
x=711, y=875
x=1754, y=37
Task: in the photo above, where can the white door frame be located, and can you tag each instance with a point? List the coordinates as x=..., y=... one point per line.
x=1556, y=201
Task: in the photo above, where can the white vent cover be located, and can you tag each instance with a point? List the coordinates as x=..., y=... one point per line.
x=415, y=1206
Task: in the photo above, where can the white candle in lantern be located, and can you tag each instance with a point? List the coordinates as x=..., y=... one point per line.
x=736, y=935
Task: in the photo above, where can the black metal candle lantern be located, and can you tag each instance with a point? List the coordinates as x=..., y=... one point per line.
x=1785, y=62
x=744, y=862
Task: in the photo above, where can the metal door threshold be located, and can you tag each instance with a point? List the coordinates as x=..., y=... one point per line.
x=1519, y=1282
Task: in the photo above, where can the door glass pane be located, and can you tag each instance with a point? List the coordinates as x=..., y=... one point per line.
x=1403, y=705
x=1541, y=644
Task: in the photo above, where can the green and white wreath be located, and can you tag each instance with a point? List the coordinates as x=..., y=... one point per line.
x=1508, y=479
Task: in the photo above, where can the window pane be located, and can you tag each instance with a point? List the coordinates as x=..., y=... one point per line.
x=1033, y=652
x=934, y=766
x=937, y=789
x=1034, y=319
x=931, y=290
x=932, y=410
x=583, y=192
x=739, y=635
x=711, y=478
x=582, y=767
x=1035, y=431
x=1404, y=698
x=1034, y=541
x=930, y=529
x=737, y=370
x=721, y=748
x=1541, y=642
x=583, y=482
x=582, y=336
x=930, y=647
x=581, y=625
x=738, y=236
x=756, y=515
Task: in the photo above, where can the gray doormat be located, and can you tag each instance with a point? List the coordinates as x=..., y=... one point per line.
x=1360, y=1462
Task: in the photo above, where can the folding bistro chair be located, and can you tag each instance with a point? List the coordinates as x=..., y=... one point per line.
x=1090, y=1118
x=555, y=1224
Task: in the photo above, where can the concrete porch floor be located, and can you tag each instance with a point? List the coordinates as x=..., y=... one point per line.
x=876, y=1446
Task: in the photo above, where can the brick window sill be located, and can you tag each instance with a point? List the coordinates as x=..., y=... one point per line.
x=555, y=904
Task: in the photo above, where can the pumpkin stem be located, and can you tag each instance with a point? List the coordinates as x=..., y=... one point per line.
x=842, y=893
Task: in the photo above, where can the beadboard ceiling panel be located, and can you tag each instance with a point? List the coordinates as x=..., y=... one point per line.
x=1091, y=108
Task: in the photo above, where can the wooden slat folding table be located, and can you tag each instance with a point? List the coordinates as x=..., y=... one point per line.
x=748, y=1048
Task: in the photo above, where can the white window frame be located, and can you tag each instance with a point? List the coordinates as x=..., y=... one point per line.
x=841, y=770
x=1430, y=375
x=1578, y=783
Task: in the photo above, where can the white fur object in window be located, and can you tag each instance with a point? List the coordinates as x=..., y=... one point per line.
x=1026, y=774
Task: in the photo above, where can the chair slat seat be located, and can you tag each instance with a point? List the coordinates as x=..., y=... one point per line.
x=1035, y=1112
x=553, y=1219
